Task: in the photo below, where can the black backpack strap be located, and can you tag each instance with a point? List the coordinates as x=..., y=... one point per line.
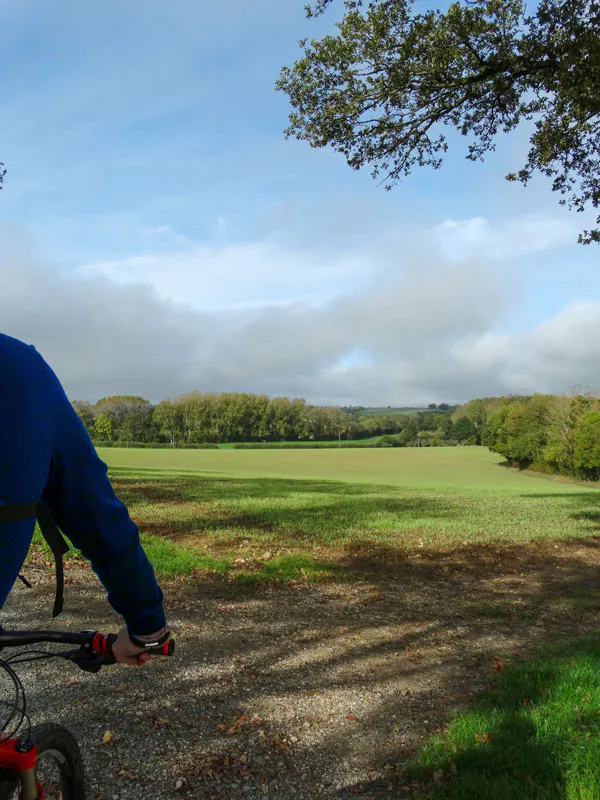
x=52, y=535
x=17, y=511
x=59, y=547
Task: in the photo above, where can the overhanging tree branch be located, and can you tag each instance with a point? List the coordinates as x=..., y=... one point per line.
x=381, y=86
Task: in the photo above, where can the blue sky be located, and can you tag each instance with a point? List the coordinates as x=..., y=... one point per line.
x=179, y=242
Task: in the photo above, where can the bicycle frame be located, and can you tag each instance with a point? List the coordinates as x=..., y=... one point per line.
x=20, y=757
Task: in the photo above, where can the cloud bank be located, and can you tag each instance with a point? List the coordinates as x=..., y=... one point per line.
x=429, y=334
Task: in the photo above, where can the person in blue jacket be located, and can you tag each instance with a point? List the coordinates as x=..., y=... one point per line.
x=46, y=454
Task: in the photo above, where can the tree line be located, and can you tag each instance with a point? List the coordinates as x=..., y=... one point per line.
x=217, y=418
x=552, y=434
x=555, y=434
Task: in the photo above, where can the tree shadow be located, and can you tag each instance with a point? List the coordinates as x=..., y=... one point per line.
x=513, y=757
x=148, y=486
x=406, y=643
x=252, y=667
x=293, y=511
x=290, y=512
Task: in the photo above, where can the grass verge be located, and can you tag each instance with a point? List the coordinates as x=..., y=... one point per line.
x=534, y=736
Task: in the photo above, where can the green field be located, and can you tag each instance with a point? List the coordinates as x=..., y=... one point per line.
x=296, y=501
x=458, y=470
x=248, y=517
x=384, y=411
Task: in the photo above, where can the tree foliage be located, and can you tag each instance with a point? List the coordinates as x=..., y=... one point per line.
x=385, y=88
x=553, y=434
x=232, y=417
x=103, y=427
x=586, y=448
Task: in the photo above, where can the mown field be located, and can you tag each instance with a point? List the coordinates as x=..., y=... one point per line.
x=471, y=469
x=309, y=509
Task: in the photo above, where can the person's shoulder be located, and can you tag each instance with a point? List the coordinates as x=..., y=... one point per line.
x=17, y=353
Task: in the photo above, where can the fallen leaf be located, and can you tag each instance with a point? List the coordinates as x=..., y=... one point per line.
x=238, y=724
x=351, y=718
x=109, y=737
x=499, y=664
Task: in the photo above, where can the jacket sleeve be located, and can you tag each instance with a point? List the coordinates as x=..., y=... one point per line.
x=84, y=504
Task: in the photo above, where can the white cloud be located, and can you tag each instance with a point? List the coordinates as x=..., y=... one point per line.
x=236, y=275
x=515, y=237
x=426, y=335
x=562, y=351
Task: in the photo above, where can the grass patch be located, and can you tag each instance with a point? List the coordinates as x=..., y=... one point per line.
x=171, y=560
x=286, y=569
x=490, y=610
x=303, y=514
x=535, y=736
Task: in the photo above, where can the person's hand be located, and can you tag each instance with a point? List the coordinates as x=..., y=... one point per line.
x=125, y=652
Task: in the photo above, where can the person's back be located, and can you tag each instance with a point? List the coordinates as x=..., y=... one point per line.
x=46, y=455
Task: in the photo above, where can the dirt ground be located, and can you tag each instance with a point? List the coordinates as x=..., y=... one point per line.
x=303, y=691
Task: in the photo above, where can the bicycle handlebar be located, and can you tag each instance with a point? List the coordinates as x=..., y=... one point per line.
x=95, y=649
x=23, y=638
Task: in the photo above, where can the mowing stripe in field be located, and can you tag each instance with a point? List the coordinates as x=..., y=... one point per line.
x=470, y=468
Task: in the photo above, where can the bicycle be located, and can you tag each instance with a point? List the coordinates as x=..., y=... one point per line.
x=48, y=746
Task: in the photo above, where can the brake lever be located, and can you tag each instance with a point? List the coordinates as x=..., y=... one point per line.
x=86, y=660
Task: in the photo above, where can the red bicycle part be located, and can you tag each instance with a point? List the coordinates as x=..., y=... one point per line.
x=13, y=759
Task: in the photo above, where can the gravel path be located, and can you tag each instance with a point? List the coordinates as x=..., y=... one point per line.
x=300, y=692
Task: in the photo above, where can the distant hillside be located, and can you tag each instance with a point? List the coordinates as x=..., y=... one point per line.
x=388, y=411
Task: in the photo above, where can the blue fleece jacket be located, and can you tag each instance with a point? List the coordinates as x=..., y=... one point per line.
x=46, y=453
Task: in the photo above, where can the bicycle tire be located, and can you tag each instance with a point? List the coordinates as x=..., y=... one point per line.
x=9, y=785
x=57, y=744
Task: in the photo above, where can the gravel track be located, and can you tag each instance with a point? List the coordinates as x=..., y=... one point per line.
x=295, y=692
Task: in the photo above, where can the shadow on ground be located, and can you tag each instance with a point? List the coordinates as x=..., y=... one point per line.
x=311, y=691
x=286, y=512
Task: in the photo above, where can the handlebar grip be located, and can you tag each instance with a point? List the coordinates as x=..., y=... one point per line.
x=168, y=648
x=103, y=645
